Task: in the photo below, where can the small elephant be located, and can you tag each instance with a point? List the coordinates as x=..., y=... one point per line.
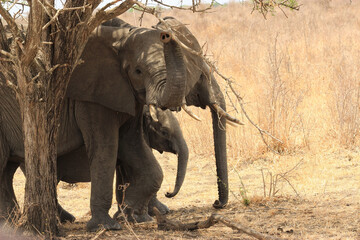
x=164, y=135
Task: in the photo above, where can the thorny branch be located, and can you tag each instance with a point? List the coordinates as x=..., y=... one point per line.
x=240, y=101
x=10, y=21
x=193, y=7
x=266, y=6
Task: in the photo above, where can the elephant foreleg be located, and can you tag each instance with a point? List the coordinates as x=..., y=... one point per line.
x=100, y=129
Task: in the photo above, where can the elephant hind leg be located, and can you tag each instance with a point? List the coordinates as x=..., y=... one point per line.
x=8, y=203
x=64, y=215
x=145, y=178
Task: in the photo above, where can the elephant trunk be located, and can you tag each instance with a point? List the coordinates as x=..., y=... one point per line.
x=219, y=131
x=183, y=156
x=173, y=93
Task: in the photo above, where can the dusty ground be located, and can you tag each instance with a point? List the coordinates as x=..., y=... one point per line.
x=323, y=201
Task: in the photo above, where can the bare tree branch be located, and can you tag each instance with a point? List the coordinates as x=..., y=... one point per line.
x=34, y=33
x=55, y=17
x=8, y=55
x=193, y=7
x=166, y=224
x=265, y=6
x=10, y=21
x=103, y=15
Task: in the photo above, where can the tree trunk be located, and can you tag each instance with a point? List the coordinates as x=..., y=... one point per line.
x=37, y=67
x=40, y=153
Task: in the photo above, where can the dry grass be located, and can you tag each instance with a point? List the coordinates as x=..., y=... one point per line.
x=299, y=77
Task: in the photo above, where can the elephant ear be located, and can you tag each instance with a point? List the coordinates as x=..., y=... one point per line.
x=99, y=79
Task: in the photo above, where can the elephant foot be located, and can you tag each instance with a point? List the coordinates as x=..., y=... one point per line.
x=65, y=216
x=104, y=221
x=219, y=205
x=131, y=216
x=154, y=202
x=142, y=218
x=117, y=215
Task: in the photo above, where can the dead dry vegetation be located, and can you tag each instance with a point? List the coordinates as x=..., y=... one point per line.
x=299, y=78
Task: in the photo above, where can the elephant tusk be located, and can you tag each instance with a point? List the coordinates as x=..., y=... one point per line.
x=165, y=37
x=153, y=114
x=222, y=113
x=188, y=111
x=231, y=123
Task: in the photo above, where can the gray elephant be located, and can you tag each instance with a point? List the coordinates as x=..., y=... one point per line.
x=163, y=135
x=201, y=87
x=98, y=91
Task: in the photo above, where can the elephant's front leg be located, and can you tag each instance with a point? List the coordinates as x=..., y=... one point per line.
x=139, y=167
x=100, y=129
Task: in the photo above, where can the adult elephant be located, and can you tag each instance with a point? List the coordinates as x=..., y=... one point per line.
x=201, y=87
x=163, y=135
x=100, y=89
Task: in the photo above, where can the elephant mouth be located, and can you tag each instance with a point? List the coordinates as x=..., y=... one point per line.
x=221, y=113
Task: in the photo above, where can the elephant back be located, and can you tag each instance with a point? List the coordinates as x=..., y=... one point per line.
x=117, y=22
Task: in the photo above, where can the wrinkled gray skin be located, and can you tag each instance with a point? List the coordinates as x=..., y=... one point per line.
x=164, y=135
x=99, y=89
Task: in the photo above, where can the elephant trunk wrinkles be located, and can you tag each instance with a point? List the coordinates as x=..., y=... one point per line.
x=183, y=156
x=173, y=93
x=219, y=130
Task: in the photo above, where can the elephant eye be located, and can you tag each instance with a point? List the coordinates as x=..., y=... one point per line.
x=164, y=132
x=138, y=71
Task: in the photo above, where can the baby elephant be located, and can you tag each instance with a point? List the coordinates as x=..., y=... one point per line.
x=163, y=135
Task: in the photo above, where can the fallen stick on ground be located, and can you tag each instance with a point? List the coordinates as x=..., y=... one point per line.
x=166, y=224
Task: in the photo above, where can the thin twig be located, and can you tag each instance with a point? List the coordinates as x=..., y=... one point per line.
x=264, y=184
x=99, y=233
x=123, y=206
x=7, y=54
x=10, y=21
x=240, y=100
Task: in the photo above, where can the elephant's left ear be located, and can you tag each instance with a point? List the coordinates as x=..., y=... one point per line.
x=99, y=80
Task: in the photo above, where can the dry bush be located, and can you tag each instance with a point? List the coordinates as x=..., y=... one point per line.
x=345, y=100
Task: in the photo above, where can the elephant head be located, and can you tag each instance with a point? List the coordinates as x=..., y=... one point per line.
x=165, y=135
x=127, y=65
